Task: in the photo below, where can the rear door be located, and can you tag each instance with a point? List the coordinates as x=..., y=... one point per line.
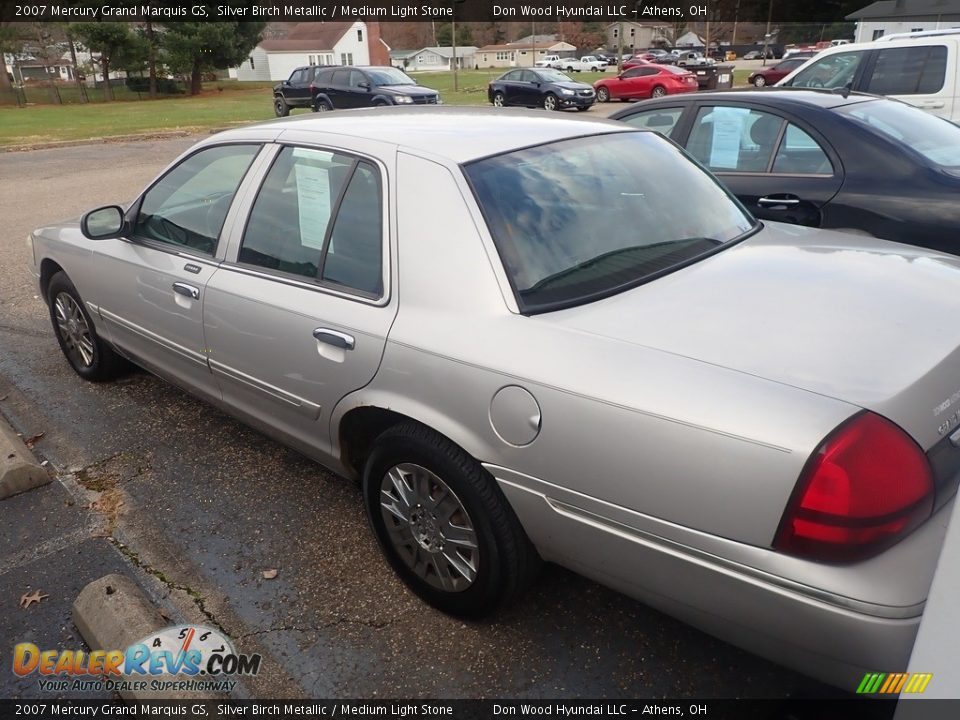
x=154, y=281
x=779, y=167
x=339, y=88
x=298, y=90
x=298, y=314
x=922, y=75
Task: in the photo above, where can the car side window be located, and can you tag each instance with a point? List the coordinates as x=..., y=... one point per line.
x=512, y=76
x=800, y=154
x=909, y=70
x=631, y=73
x=186, y=208
x=354, y=257
x=833, y=71
x=356, y=77
x=663, y=120
x=324, y=76
x=292, y=229
x=341, y=77
x=645, y=72
x=297, y=77
x=528, y=77
x=734, y=139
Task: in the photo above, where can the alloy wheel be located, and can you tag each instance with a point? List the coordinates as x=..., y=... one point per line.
x=73, y=329
x=429, y=527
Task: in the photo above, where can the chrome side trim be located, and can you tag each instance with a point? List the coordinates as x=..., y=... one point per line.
x=306, y=285
x=720, y=564
x=197, y=357
x=310, y=409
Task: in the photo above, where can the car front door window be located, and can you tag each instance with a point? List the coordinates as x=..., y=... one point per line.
x=186, y=208
x=734, y=139
x=833, y=71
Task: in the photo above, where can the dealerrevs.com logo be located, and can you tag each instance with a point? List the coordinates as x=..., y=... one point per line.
x=182, y=658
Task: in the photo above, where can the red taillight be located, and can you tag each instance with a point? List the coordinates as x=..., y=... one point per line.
x=865, y=487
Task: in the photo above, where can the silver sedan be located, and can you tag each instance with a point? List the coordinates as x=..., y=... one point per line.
x=529, y=347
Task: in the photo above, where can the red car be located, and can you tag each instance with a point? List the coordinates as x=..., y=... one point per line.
x=771, y=75
x=646, y=81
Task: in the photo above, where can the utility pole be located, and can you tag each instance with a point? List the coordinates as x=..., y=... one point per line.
x=620, y=47
x=766, y=38
x=533, y=42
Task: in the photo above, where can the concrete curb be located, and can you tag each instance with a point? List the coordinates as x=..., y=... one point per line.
x=112, y=613
x=19, y=470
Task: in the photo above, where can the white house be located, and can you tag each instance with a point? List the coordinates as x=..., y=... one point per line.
x=325, y=43
x=434, y=58
x=690, y=39
x=517, y=55
x=901, y=16
x=638, y=35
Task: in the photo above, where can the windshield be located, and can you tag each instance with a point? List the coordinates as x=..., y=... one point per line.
x=553, y=76
x=389, y=76
x=833, y=71
x=580, y=219
x=938, y=140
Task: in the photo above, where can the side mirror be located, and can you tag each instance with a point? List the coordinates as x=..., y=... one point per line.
x=286, y=82
x=365, y=85
x=103, y=223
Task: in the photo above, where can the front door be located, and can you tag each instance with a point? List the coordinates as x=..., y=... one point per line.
x=775, y=167
x=298, y=315
x=153, y=285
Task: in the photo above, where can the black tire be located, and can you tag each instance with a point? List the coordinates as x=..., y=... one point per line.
x=280, y=107
x=583, y=109
x=551, y=102
x=506, y=563
x=499, y=100
x=603, y=94
x=658, y=91
x=321, y=105
x=759, y=81
x=104, y=364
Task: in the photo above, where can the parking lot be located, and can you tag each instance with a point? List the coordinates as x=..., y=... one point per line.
x=196, y=506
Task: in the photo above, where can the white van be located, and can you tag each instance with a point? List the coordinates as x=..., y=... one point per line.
x=920, y=70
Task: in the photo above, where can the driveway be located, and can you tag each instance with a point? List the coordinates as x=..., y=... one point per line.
x=204, y=505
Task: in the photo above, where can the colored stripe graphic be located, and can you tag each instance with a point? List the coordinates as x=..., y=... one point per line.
x=893, y=683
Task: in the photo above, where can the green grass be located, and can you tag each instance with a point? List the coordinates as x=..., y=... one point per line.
x=223, y=103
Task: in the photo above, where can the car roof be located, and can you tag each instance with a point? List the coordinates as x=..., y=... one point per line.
x=459, y=134
x=783, y=97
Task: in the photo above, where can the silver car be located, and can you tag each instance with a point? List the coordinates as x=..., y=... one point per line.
x=528, y=349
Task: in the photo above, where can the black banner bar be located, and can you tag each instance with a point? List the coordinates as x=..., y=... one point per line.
x=666, y=12
x=840, y=709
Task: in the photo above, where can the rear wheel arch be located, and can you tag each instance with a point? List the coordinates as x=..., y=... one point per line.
x=359, y=426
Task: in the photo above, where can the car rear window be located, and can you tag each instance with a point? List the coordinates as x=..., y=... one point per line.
x=581, y=219
x=936, y=139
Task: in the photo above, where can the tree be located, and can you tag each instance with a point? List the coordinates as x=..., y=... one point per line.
x=108, y=40
x=195, y=47
x=445, y=34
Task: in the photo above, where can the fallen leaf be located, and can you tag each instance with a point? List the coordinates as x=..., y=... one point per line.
x=31, y=441
x=269, y=574
x=26, y=600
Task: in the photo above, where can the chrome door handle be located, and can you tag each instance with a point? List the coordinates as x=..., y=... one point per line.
x=769, y=201
x=332, y=337
x=187, y=290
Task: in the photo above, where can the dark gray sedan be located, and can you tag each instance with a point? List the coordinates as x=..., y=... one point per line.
x=853, y=162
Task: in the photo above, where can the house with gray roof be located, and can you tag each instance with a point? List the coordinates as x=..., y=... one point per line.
x=902, y=16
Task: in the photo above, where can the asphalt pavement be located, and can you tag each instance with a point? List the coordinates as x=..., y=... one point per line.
x=195, y=506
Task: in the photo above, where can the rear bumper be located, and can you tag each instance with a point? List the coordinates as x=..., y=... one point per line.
x=822, y=634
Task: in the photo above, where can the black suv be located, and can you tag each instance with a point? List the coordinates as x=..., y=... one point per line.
x=324, y=87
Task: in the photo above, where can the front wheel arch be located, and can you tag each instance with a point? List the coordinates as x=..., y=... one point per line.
x=48, y=268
